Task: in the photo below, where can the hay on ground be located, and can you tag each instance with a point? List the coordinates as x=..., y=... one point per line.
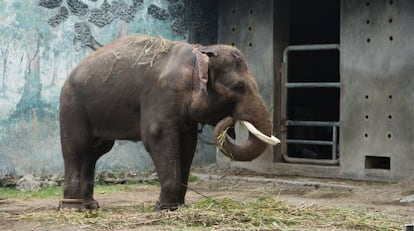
x=263, y=213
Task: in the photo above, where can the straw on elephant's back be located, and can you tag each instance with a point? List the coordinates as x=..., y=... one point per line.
x=154, y=46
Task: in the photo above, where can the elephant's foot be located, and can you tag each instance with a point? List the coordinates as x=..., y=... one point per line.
x=90, y=204
x=70, y=204
x=167, y=206
x=78, y=204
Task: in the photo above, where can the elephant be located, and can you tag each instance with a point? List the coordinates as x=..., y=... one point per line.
x=150, y=89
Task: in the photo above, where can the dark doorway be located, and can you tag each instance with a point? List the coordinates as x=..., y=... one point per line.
x=312, y=85
x=314, y=21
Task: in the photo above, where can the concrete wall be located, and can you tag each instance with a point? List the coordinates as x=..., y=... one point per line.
x=42, y=40
x=248, y=25
x=377, y=53
x=376, y=68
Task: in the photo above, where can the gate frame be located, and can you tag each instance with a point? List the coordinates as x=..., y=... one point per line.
x=285, y=85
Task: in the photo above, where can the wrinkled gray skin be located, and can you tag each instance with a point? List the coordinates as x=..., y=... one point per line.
x=156, y=91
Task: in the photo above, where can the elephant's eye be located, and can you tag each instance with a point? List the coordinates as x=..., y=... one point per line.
x=239, y=87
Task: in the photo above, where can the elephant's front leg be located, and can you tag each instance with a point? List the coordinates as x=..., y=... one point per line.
x=164, y=148
x=188, y=143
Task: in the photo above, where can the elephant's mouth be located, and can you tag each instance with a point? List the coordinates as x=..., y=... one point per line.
x=251, y=147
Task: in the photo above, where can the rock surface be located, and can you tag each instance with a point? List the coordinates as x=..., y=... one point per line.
x=28, y=183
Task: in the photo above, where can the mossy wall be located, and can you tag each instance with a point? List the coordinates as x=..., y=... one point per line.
x=41, y=41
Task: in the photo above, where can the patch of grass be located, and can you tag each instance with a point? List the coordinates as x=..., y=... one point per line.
x=57, y=191
x=264, y=213
x=192, y=178
x=52, y=191
x=113, y=188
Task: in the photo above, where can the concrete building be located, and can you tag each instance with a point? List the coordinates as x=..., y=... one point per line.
x=338, y=78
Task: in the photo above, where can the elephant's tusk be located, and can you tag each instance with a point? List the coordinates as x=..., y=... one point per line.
x=270, y=140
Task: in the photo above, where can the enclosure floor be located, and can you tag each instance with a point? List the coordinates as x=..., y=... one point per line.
x=374, y=196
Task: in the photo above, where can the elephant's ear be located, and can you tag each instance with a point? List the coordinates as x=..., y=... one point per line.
x=208, y=52
x=202, y=62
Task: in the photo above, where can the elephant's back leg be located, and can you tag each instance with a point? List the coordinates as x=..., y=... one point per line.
x=80, y=149
x=87, y=171
x=75, y=134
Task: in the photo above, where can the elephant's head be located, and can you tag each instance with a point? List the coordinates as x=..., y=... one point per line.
x=226, y=92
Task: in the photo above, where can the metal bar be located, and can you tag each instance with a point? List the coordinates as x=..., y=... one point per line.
x=312, y=47
x=312, y=142
x=304, y=48
x=314, y=85
x=309, y=161
x=334, y=141
x=283, y=93
x=311, y=123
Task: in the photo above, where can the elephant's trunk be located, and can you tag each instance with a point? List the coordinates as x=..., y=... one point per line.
x=250, y=149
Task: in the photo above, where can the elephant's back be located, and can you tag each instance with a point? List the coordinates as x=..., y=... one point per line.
x=139, y=49
x=128, y=57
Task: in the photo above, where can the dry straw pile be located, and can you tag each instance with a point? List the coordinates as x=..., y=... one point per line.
x=264, y=213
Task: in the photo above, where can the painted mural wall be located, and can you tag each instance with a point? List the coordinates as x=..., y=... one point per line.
x=41, y=41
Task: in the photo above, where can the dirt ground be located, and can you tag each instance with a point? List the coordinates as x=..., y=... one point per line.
x=373, y=196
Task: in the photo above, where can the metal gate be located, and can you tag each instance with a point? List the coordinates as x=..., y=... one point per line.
x=286, y=85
